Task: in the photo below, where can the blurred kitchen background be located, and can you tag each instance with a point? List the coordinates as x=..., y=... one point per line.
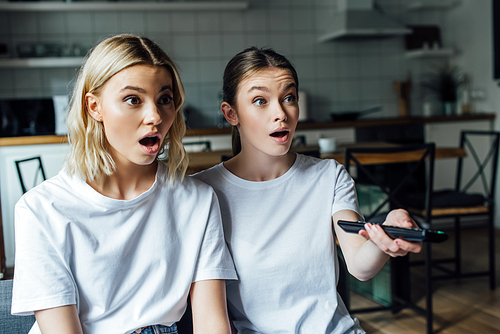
x=338, y=74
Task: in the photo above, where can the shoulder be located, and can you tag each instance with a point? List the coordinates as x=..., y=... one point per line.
x=190, y=181
x=211, y=175
x=326, y=172
x=40, y=208
x=53, y=189
x=189, y=187
x=313, y=165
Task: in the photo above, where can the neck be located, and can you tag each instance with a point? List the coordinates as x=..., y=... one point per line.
x=127, y=182
x=260, y=167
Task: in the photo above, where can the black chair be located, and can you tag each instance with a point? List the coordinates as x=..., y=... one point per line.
x=11, y=323
x=462, y=202
x=395, y=171
x=39, y=171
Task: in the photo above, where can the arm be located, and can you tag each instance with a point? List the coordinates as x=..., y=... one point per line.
x=208, y=304
x=63, y=319
x=367, y=252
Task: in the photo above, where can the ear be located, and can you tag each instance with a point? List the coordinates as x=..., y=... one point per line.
x=229, y=113
x=93, y=109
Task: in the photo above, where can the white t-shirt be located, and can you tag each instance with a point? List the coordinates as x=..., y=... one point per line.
x=125, y=263
x=279, y=233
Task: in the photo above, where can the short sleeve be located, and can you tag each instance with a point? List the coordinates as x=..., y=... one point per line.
x=214, y=261
x=345, y=192
x=42, y=279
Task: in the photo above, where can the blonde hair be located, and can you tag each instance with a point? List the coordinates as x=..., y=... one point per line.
x=89, y=157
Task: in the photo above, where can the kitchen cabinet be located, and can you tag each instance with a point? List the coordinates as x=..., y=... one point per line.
x=52, y=156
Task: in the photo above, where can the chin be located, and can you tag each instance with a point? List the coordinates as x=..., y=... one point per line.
x=146, y=161
x=280, y=152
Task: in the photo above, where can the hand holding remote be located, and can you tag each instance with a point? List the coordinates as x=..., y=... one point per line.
x=394, y=232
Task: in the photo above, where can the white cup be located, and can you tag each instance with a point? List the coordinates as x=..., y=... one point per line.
x=327, y=145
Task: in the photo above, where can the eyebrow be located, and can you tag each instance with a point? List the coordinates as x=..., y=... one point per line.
x=140, y=90
x=263, y=88
x=166, y=87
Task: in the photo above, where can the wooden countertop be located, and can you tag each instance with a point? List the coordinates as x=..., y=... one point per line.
x=199, y=161
x=33, y=140
x=363, y=122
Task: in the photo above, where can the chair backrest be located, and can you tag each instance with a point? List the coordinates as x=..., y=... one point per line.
x=411, y=161
x=482, y=149
x=25, y=167
x=11, y=323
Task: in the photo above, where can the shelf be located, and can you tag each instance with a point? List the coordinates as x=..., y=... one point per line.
x=432, y=4
x=49, y=62
x=60, y=6
x=362, y=34
x=429, y=53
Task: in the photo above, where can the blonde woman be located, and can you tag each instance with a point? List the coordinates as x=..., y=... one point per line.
x=117, y=240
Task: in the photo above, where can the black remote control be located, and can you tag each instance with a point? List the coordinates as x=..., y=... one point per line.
x=410, y=234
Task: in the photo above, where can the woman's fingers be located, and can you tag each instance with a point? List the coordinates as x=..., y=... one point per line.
x=397, y=247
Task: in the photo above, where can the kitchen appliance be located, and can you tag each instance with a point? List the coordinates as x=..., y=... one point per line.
x=27, y=117
x=361, y=18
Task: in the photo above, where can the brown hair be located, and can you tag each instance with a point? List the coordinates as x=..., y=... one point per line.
x=88, y=157
x=244, y=65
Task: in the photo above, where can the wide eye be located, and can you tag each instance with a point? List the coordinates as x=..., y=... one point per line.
x=290, y=98
x=259, y=102
x=166, y=99
x=132, y=100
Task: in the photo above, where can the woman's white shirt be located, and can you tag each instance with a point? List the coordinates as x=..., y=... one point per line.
x=124, y=263
x=280, y=235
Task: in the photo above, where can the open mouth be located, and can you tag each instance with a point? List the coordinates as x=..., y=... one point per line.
x=149, y=141
x=279, y=134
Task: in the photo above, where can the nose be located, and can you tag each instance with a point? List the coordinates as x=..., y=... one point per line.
x=153, y=115
x=280, y=114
